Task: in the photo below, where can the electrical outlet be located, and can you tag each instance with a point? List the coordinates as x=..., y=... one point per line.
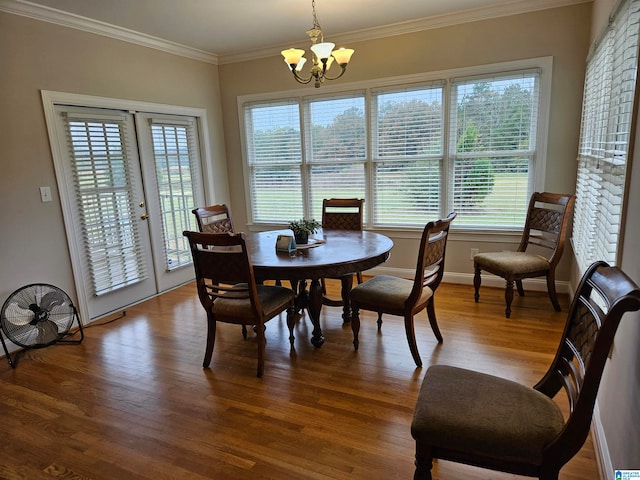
x=474, y=251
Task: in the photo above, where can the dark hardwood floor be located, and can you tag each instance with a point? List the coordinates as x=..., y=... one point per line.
x=132, y=401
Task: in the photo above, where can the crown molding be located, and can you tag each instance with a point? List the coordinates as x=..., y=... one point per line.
x=58, y=17
x=65, y=19
x=427, y=23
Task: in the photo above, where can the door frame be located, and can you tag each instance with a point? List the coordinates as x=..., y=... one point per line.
x=52, y=98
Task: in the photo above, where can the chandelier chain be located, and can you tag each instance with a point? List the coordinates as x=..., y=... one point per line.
x=316, y=23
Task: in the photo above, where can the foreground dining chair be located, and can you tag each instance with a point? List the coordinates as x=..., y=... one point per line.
x=214, y=219
x=341, y=214
x=545, y=230
x=405, y=298
x=491, y=422
x=228, y=290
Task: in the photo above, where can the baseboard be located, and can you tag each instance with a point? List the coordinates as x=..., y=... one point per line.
x=488, y=280
x=601, y=450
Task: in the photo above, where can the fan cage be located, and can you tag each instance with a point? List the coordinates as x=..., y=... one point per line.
x=38, y=315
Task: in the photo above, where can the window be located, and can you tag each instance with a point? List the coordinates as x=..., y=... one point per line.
x=177, y=167
x=607, y=114
x=493, y=146
x=414, y=150
x=407, y=154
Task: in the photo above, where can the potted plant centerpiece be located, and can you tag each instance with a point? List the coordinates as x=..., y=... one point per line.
x=303, y=228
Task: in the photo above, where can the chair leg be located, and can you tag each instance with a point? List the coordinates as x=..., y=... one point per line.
x=431, y=313
x=379, y=321
x=291, y=320
x=261, y=348
x=423, y=463
x=211, y=339
x=411, y=338
x=551, y=288
x=359, y=277
x=476, y=282
x=508, y=298
x=355, y=325
x=520, y=288
x=244, y=332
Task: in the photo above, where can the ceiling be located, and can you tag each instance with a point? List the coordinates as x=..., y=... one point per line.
x=229, y=30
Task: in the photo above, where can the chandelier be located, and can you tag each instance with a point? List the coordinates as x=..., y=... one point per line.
x=323, y=56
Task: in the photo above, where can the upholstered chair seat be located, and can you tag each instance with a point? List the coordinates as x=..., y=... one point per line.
x=393, y=292
x=238, y=309
x=512, y=262
x=462, y=415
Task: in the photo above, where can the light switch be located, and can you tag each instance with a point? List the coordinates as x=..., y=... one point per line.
x=45, y=194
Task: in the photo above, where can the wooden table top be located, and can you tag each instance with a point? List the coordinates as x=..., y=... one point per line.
x=340, y=252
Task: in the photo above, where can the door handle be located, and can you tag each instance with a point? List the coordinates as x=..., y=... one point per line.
x=144, y=216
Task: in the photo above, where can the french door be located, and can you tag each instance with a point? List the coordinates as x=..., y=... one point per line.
x=128, y=182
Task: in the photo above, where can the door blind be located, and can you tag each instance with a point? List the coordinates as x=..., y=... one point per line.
x=176, y=158
x=104, y=196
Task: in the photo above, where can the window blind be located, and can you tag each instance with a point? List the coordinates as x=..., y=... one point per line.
x=413, y=151
x=606, y=127
x=492, y=140
x=408, y=153
x=176, y=157
x=101, y=172
x=274, y=157
x=335, y=129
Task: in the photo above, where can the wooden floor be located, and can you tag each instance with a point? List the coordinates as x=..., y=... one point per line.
x=132, y=401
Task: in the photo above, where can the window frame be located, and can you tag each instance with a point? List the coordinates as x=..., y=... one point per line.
x=536, y=176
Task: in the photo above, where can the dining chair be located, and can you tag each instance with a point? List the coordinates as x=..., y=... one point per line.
x=541, y=246
x=228, y=291
x=491, y=422
x=214, y=219
x=341, y=214
x=403, y=297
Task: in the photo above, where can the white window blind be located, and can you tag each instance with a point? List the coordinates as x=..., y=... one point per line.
x=492, y=144
x=274, y=156
x=176, y=158
x=607, y=115
x=98, y=146
x=336, y=149
x=408, y=154
x=414, y=151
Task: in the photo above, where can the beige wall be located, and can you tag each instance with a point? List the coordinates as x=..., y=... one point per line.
x=562, y=33
x=41, y=56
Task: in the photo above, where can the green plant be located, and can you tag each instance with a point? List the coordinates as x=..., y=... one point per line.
x=304, y=226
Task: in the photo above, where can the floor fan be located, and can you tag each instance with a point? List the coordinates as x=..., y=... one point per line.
x=36, y=316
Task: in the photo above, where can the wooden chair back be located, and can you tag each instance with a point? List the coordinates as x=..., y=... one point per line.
x=604, y=294
x=342, y=213
x=547, y=223
x=223, y=268
x=214, y=219
x=431, y=256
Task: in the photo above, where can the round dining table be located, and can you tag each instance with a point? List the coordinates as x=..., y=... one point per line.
x=330, y=254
